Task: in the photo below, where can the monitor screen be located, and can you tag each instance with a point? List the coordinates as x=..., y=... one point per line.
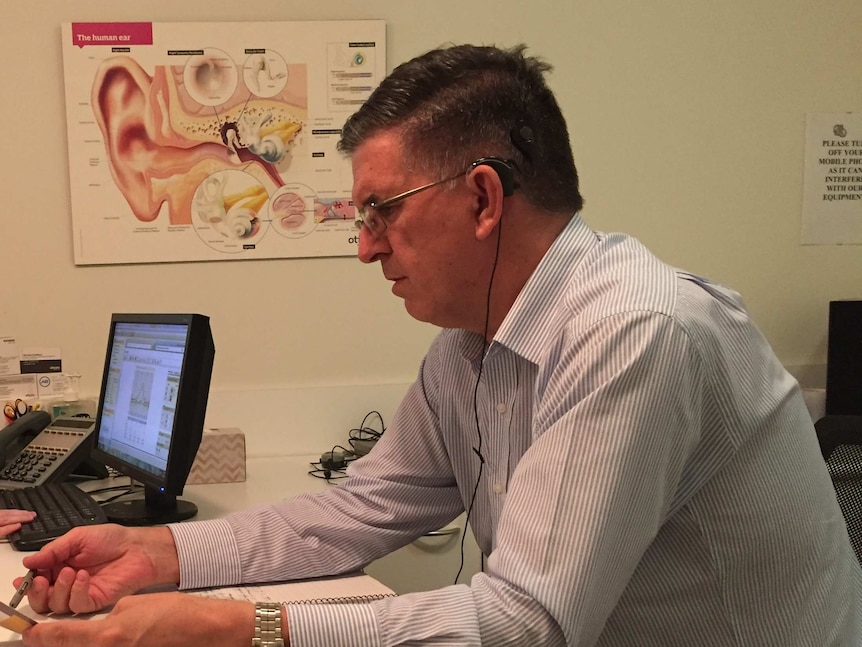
x=151, y=410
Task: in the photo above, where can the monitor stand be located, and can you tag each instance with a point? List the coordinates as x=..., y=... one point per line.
x=154, y=509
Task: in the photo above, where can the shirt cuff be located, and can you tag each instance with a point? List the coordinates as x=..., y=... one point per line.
x=207, y=553
x=333, y=625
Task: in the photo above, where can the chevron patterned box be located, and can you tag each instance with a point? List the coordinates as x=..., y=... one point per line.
x=220, y=458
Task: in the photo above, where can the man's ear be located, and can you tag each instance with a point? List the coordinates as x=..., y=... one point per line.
x=488, y=193
x=120, y=96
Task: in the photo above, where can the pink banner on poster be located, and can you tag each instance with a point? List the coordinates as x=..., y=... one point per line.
x=112, y=33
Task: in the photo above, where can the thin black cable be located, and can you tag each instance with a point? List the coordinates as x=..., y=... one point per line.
x=365, y=435
x=112, y=488
x=132, y=488
x=485, y=345
x=363, y=428
x=346, y=455
x=327, y=474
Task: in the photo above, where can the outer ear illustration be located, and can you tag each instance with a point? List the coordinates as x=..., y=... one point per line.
x=120, y=93
x=162, y=142
x=150, y=162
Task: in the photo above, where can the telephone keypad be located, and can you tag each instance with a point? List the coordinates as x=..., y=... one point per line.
x=28, y=466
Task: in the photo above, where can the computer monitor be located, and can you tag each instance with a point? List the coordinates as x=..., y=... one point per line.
x=151, y=410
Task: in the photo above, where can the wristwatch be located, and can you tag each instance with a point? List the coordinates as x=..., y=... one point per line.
x=267, y=625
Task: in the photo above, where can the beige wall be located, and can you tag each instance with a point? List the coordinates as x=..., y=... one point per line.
x=687, y=120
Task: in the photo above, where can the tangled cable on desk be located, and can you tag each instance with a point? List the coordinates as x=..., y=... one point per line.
x=333, y=464
x=362, y=438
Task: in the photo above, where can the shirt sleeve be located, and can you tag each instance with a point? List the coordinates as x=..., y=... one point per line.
x=400, y=491
x=612, y=427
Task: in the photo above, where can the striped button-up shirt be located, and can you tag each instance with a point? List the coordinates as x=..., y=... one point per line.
x=651, y=476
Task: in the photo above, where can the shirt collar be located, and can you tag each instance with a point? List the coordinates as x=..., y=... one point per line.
x=535, y=316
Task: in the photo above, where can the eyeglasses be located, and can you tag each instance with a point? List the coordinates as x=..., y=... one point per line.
x=372, y=214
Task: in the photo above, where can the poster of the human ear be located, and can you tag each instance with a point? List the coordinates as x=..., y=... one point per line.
x=214, y=141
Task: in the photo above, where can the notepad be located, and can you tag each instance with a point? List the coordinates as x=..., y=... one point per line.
x=346, y=589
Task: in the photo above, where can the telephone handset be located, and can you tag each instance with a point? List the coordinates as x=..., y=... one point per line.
x=37, y=450
x=15, y=436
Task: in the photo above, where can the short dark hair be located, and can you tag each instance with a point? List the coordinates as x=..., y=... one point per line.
x=455, y=104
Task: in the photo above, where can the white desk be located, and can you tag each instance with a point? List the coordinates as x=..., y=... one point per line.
x=267, y=479
x=428, y=563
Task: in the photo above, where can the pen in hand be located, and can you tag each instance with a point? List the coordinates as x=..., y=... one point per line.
x=19, y=593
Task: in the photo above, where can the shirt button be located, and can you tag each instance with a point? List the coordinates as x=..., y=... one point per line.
x=501, y=408
x=498, y=489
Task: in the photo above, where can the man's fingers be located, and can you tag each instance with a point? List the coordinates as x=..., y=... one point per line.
x=9, y=517
x=69, y=594
x=11, y=520
x=58, y=599
x=59, y=551
x=37, y=595
x=9, y=528
x=79, y=597
x=63, y=634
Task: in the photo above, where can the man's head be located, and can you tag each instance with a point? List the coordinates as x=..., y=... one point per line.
x=454, y=105
x=456, y=243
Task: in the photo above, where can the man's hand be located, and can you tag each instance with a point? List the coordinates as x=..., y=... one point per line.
x=90, y=568
x=11, y=520
x=154, y=620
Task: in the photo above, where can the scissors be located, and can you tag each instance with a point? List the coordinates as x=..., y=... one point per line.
x=16, y=409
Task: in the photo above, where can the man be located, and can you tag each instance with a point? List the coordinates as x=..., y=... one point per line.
x=635, y=463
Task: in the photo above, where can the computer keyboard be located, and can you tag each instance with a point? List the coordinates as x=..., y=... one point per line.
x=59, y=507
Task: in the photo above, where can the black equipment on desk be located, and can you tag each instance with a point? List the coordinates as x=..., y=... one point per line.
x=151, y=410
x=844, y=359
x=148, y=426
x=59, y=507
x=36, y=450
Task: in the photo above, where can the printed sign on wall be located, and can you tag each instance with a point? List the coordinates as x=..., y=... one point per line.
x=832, y=196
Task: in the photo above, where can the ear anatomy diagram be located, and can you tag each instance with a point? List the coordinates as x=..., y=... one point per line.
x=222, y=151
x=234, y=214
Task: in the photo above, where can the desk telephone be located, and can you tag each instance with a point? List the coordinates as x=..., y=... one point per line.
x=36, y=450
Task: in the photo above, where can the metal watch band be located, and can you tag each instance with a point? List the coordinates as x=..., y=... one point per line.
x=267, y=625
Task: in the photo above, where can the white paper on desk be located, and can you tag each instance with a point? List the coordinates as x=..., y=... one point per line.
x=9, y=356
x=13, y=619
x=52, y=385
x=18, y=386
x=346, y=589
x=41, y=360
